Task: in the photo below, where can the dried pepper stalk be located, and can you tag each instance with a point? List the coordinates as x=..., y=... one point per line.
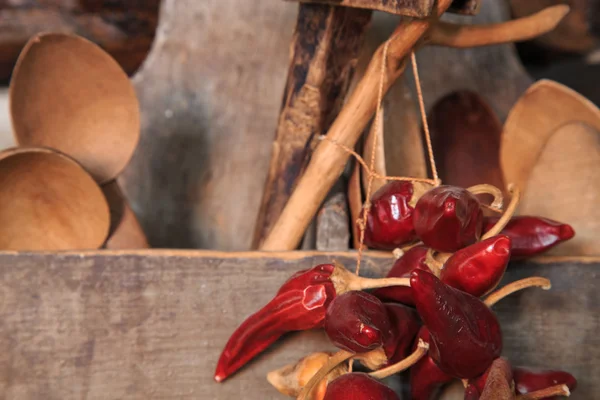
x=290, y=380
x=300, y=304
x=532, y=236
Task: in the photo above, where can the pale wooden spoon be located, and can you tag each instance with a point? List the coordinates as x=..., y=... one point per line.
x=68, y=94
x=543, y=108
x=564, y=185
x=49, y=202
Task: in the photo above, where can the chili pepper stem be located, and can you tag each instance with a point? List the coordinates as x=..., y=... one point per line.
x=408, y=362
x=508, y=214
x=498, y=201
x=517, y=286
x=346, y=281
x=333, y=362
x=558, y=390
x=436, y=262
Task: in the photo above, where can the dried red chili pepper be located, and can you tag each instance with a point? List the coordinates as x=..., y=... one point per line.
x=528, y=380
x=413, y=258
x=532, y=235
x=300, y=304
x=405, y=324
x=358, y=386
x=426, y=378
x=477, y=269
x=358, y=322
x=465, y=334
x=448, y=218
x=390, y=217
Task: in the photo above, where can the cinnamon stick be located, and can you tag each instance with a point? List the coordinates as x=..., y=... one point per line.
x=328, y=160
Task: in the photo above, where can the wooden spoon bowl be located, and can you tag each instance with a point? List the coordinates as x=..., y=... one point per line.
x=49, y=202
x=68, y=94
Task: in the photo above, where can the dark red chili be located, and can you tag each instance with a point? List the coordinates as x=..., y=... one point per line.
x=465, y=334
x=477, y=269
x=358, y=386
x=426, y=378
x=358, y=322
x=448, y=218
x=532, y=236
x=529, y=380
x=300, y=304
x=413, y=258
x=390, y=217
x=405, y=324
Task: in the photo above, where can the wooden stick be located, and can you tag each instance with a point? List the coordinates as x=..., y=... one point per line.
x=379, y=166
x=328, y=160
x=462, y=36
x=324, y=51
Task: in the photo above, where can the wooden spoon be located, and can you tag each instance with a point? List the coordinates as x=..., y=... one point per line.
x=68, y=94
x=49, y=202
x=465, y=135
x=125, y=229
x=564, y=186
x=543, y=108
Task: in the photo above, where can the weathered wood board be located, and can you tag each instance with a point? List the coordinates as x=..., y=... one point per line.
x=151, y=324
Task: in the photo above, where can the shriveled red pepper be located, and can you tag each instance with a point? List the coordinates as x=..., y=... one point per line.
x=358, y=322
x=390, y=217
x=477, y=269
x=405, y=325
x=528, y=380
x=465, y=336
x=426, y=378
x=531, y=235
x=413, y=258
x=448, y=218
x=358, y=386
x=300, y=304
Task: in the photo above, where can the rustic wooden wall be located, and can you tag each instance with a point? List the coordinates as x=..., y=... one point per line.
x=125, y=325
x=210, y=93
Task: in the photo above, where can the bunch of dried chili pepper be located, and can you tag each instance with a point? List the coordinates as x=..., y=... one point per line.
x=428, y=310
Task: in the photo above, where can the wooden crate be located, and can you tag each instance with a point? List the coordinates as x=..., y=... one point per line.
x=151, y=324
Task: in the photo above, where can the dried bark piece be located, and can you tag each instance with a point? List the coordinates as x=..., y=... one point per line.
x=542, y=109
x=333, y=230
x=376, y=131
x=355, y=201
x=499, y=384
x=411, y=8
x=324, y=51
x=563, y=186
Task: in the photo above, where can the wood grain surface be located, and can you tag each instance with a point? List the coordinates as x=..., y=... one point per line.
x=151, y=324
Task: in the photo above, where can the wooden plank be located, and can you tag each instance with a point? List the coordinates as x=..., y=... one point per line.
x=209, y=101
x=151, y=324
x=412, y=8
